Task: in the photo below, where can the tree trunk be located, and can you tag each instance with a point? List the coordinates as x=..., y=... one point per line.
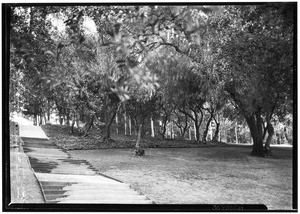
x=60, y=118
x=197, y=132
x=196, y=125
x=129, y=122
x=185, y=126
x=125, y=124
x=139, y=135
x=41, y=119
x=48, y=112
x=138, y=148
x=77, y=120
x=34, y=119
x=45, y=119
x=206, y=129
x=109, y=121
x=172, y=130
x=255, y=125
x=164, y=128
x=68, y=117
x=270, y=130
x=164, y=123
x=236, y=133
x=74, y=118
x=59, y=109
x=72, y=126
x=152, y=128
x=190, y=134
x=91, y=120
x=135, y=127
x=117, y=124
x=217, y=133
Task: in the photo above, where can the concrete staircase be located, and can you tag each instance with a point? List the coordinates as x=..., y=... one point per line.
x=67, y=180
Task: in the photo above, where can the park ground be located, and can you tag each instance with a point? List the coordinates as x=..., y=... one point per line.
x=201, y=174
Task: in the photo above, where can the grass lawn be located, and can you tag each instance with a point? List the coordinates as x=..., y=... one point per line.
x=211, y=175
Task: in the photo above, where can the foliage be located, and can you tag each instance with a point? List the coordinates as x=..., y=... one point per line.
x=173, y=63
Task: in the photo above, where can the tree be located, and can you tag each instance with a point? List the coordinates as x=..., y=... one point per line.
x=142, y=102
x=28, y=39
x=256, y=65
x=201, y=57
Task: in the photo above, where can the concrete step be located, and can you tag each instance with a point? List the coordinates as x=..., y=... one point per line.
x=79, y=187
x=75, y=161
x=78, y=172
x=43, y=151
x=85, y=184
x=108, y=195
x=50, y=153
x=28, y=131
x=84, y=192
x=37, y=145
x=92, y=179
x=70, y=166
x=101, y=197
x=51, y=183
x=62, y=166
x=102, y=184
x=46, y=156
x=101, y=202
x=95, y=189
x=68, y=169
x=35, y=140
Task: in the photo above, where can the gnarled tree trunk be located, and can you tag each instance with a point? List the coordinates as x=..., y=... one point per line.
x=74, y=119
x=138, y=148
x=206, y=129
x=89, y=125
x=270, y=130
x=129, y=124
x=164, y=123
x=109, y=120
x=72, y=125
x=255, y=124
x=217, y=132
x=125, y=123
x=67, y=117
x=185, y=127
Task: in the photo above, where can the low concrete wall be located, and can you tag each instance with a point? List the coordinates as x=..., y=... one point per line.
x=24, y=185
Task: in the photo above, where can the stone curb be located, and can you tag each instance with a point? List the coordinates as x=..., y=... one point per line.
x=29, y=166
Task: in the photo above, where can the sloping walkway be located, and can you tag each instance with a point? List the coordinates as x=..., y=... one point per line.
x=64, y=179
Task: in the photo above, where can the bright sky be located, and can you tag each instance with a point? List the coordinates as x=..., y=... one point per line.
x=88, y=24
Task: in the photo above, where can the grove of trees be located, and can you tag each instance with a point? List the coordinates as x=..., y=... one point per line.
x=184, y=69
